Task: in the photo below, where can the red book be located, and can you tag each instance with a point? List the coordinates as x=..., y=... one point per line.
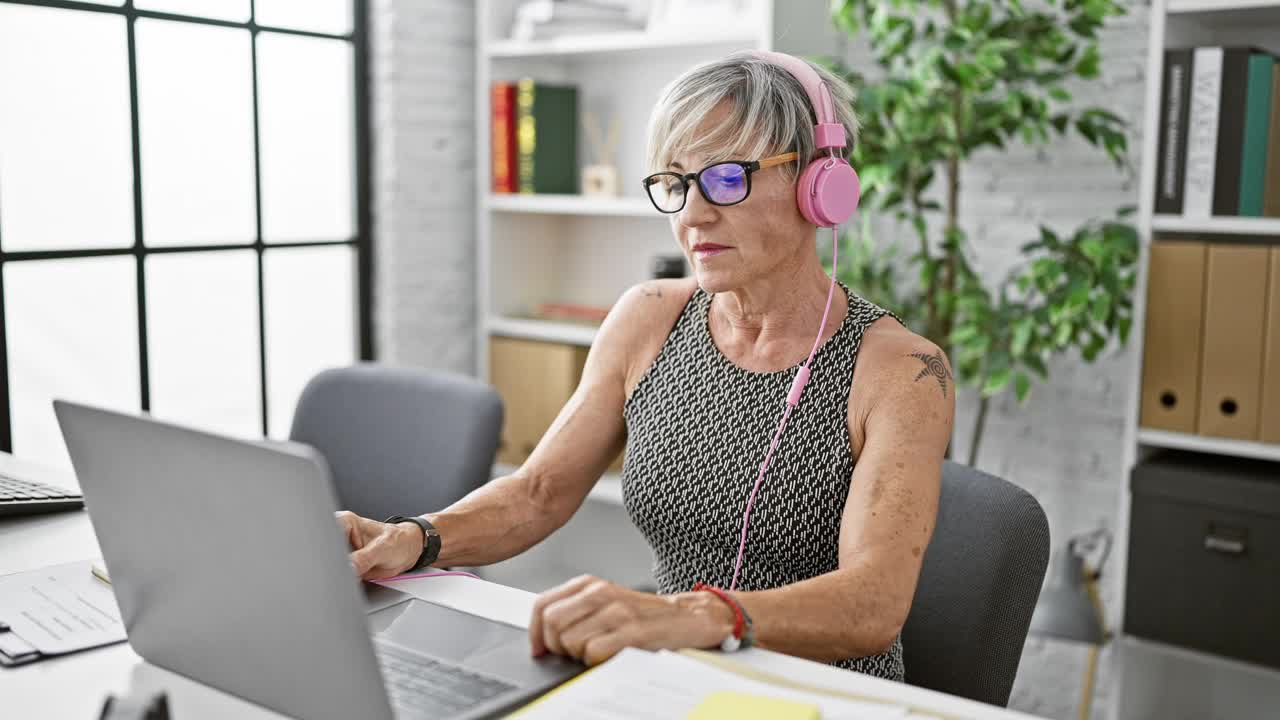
x=503, y=104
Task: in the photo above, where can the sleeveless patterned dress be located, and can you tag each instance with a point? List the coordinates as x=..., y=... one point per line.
x=697, y=429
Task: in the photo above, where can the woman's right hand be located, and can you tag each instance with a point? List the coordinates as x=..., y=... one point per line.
x=379, y=550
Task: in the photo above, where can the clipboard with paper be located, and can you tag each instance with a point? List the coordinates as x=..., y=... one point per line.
x=54, y=611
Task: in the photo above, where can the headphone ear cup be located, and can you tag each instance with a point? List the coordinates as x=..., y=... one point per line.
x=827, y=192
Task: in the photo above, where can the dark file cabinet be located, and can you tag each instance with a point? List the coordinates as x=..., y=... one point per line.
x=1204, y=555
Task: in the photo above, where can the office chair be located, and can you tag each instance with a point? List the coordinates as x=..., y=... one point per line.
x=399, y=441
x=978, y=587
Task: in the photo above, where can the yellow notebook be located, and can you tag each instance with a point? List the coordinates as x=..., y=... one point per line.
x=742, y=706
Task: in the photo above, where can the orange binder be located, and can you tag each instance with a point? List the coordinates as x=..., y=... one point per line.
x=1269, y=427
x=1171, y=348
x=1234, y=322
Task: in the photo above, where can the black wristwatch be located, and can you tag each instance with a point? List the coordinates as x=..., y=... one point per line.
x=430, y=539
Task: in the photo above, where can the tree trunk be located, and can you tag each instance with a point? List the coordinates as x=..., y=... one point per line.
x=979, y=425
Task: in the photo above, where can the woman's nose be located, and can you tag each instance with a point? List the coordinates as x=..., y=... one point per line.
x=696, y=210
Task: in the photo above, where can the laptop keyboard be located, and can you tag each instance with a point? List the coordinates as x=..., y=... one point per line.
x=418, y=684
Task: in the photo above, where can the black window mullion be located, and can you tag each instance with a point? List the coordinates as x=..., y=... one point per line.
x=139, y=249
x=364, y=174
x=257, y=216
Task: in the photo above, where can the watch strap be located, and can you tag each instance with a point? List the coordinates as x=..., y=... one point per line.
x=430, y=536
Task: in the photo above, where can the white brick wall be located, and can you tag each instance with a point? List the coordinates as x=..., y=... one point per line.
x=423, y=79
x=1065, y=445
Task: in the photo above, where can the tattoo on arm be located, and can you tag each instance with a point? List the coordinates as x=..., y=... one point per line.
x=652, y=291
x=934, y=365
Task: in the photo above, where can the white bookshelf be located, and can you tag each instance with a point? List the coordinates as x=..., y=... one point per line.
x=1144, y=667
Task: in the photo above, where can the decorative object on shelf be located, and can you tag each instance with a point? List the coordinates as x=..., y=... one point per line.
x=547, y=19
x=547, y=137
x=601, y=177
x=668, y=266
x=571, y=312
x=981, y=75
x=1069, y=607
x=677, y=16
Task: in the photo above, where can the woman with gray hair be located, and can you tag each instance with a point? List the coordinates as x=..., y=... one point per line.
x=817, y=559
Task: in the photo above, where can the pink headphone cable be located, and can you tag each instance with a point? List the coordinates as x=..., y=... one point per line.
x=793, y=399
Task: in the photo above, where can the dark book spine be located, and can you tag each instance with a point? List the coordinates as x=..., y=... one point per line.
x=1175, y=107
x=555, y=163
x=1231, y=107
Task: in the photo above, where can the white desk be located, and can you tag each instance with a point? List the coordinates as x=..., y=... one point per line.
x=74, y=686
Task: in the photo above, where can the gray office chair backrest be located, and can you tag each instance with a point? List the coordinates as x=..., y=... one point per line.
x=978, y=587
x=400, y=441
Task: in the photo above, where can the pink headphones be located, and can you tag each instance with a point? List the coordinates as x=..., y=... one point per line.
x=827, y=191
x=826, y=194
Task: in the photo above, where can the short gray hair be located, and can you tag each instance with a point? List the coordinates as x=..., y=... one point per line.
x=769, y=113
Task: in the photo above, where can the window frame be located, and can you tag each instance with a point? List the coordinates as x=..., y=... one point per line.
x=362, y=241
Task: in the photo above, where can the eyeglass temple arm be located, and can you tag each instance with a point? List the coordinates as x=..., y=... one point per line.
x=778, y=160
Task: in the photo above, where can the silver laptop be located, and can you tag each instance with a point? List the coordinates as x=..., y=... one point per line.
x=229, y=568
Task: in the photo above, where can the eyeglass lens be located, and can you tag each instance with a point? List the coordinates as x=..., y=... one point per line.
x=724, y=184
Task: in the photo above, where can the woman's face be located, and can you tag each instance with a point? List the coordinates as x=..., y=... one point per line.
x=728, y=247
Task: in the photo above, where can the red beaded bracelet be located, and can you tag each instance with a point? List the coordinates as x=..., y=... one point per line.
x=742, y=635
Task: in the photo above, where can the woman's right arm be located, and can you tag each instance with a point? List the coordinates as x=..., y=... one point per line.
x=511, y=514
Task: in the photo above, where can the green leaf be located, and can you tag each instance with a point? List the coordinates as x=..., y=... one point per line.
x=996, y=382
x=1021, y=386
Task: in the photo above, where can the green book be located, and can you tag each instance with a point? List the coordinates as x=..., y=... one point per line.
x=547, y=137
x=1257, y=123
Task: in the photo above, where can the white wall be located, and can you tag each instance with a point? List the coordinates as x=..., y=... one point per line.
x=1065, y=445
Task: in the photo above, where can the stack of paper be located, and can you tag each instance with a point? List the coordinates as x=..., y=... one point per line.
x=642, y=684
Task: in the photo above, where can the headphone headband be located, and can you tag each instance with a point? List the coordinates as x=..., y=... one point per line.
x=828, y=133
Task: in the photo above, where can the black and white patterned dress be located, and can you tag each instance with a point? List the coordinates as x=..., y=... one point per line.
x=697, y=429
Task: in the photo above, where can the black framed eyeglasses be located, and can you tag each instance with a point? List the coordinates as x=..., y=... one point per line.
x=724, y=183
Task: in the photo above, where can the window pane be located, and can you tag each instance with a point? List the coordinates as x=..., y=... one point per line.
x=305, y=130
x=72, y=333
x=195, y=109
x=202, y=340
x=311, y=321
x=326, y=16
x=234, y=10
x=66, y=154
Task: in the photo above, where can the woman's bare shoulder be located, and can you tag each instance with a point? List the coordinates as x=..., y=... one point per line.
x=905, y=370
x=639, y=323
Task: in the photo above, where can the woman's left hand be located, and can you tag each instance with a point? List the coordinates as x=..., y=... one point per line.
x=592, y=620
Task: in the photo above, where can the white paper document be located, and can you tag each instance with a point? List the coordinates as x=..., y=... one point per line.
x=60, y=609
x=642, y=684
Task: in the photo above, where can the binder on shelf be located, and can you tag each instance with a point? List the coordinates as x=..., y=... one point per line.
x=1174, y=111
x=1171, y=349
x=1231, y=358
x=1231, y=112
x=1269, y=425
x=1202, y=132
x=1257, y=120
x=1271, y=199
